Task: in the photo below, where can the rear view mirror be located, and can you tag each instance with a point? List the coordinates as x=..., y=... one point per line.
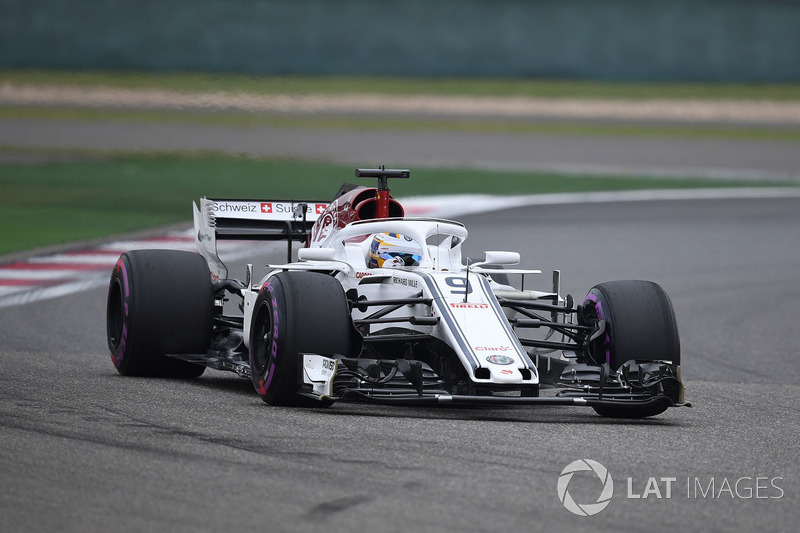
x=501, y=258
x=316, y=254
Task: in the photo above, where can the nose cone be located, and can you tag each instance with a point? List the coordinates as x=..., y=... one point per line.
x=503, y=368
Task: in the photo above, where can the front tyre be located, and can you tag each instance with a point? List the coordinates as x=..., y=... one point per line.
x=294, y=313
x=159, y=302
x=640, y=325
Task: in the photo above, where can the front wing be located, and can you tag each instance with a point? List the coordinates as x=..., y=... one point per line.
x=413, y=382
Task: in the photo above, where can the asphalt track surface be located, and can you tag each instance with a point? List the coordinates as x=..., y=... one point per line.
x=83, y=449
x=724, y=158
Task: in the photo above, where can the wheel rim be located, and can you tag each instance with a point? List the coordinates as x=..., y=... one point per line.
x=262, y=341
x=599, y=348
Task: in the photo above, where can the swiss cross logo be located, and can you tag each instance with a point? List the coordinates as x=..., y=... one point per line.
x=266, y=207
x=320, y=208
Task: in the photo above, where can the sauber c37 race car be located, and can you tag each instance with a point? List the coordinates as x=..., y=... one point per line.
x=383, y=308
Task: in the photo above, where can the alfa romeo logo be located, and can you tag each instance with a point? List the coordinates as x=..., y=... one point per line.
x=500, y=359
x=585, y=509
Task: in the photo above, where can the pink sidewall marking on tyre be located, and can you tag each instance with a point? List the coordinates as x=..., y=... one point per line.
x=274, y=351
x=124, y=335
x=263, y=385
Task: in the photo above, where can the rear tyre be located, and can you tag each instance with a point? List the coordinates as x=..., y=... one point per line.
x=295, y=312
x=159, y=302
x=640, y=325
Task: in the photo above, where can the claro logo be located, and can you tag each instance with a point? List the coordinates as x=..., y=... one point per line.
x=493, y=348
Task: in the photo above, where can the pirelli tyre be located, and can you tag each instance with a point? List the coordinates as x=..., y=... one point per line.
x=295, y=312
x=640, y=325
x=159, y=302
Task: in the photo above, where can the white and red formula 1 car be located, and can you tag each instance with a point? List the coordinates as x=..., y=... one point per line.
x=384, y=308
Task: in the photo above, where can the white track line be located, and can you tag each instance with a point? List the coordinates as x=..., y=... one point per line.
x=466, y=204
x=151, y=245
x=56, y=291
x=100, y=259
x=19, y=273
x=5, y=291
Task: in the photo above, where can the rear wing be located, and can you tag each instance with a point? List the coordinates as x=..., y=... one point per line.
x=260, y=220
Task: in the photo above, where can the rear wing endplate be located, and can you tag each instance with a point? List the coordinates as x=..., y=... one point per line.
x=260, y=220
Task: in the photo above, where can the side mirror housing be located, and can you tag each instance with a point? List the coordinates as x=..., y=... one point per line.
x=316, y=254
x=501, y=258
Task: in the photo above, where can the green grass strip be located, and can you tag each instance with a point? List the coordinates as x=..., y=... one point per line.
x=55, y=202
x=203, y=82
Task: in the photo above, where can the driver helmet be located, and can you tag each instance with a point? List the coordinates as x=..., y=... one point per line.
x=390, y=250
